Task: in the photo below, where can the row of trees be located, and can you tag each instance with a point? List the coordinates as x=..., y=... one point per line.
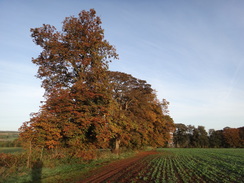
x=87, y=106
x=228, y=137
x=190, y=136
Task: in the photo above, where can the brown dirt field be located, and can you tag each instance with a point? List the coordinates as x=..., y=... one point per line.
x=103, y=173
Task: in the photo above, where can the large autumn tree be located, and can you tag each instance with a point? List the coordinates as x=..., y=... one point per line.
x=86, y=105
x=72, y=67
x=138, y=118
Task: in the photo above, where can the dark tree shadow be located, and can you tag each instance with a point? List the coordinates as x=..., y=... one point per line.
x=36, y=172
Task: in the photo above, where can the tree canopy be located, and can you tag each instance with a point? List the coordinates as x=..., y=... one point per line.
x=139, y=112
x=78, y=54
x=87, y=106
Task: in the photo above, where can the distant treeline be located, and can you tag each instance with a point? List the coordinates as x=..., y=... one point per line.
x=9, y=139
x=190, y=136
x=8, y=135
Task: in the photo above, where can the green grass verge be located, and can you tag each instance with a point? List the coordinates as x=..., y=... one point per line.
x=66, y=172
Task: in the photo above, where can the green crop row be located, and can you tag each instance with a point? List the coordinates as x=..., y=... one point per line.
x=206, y=165
x=186, y=165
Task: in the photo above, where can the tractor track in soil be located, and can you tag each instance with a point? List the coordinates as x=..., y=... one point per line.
x=103, y=173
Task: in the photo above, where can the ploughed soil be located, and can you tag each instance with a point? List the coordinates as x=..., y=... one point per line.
x=104, y=173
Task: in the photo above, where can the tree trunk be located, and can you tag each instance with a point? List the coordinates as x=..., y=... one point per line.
x=29, y=155
x=42, y=153
x=116, y=147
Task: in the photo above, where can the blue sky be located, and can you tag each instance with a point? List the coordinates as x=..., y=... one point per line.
x=190, y=51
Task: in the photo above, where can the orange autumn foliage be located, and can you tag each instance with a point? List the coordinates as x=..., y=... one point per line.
x=87, y=106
